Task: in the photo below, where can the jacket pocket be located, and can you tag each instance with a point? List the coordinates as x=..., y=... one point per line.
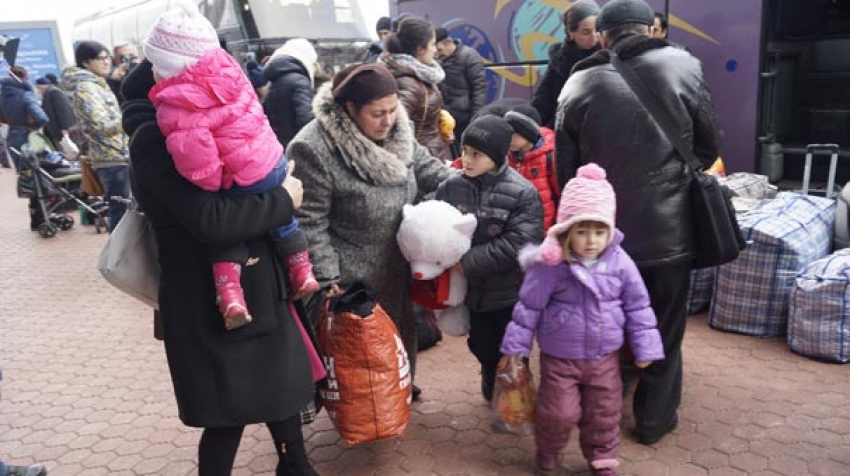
x=491, y=223
x=553, y=322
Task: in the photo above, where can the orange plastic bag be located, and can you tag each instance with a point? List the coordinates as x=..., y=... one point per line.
x=718, y=169
x=368, y=389
x=514, y=396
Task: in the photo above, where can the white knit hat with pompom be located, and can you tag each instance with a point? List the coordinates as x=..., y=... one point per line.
x=178, y=39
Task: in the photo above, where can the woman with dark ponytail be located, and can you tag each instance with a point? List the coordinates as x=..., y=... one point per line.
x=410, y=57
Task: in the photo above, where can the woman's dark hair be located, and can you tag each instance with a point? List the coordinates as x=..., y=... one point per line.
x=412, y=33
x=578, y=11
x=87, y=51
x=662, y=20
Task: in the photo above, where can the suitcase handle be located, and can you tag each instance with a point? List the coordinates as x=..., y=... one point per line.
x=821, y=149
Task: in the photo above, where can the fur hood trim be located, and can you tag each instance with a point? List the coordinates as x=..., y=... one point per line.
x=385, y=164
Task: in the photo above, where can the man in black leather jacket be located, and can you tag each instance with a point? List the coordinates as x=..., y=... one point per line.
x=599, y=119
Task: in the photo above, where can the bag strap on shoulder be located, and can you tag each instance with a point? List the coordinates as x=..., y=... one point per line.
x=661, y=115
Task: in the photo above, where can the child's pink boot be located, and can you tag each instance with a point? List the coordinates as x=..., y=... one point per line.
x=229, y=295
x=301, y=275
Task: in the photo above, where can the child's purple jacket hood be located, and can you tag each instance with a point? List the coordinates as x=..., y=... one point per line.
x=581, y=313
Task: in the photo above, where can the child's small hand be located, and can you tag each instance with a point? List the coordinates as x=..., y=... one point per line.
x=643, y=365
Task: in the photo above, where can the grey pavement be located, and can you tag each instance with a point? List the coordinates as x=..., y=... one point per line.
x=86, y=391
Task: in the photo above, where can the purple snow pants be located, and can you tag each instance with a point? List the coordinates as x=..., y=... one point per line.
x=583, y=392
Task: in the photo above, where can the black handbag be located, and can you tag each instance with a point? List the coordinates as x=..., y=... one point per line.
x=718, y=238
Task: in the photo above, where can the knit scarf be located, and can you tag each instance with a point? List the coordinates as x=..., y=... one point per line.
x=433, y=74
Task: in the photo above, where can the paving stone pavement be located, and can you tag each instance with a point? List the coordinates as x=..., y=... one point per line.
x=86, y=391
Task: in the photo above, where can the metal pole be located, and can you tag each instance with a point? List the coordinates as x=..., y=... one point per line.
x=667, y=10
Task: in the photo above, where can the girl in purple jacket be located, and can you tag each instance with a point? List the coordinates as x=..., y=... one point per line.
x=582, y=295
x=220, y=140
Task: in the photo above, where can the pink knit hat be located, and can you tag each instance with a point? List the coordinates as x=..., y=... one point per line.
x=178, y=39
x=588, y=196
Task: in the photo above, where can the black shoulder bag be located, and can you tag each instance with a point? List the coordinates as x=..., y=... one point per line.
x=717, y=236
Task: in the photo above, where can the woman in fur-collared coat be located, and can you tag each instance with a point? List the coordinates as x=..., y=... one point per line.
x=360, y=164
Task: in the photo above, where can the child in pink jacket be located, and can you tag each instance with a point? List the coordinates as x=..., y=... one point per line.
x=220, y=140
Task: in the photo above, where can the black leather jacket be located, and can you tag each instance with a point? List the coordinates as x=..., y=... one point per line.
x=600, y=120
x=510, y=216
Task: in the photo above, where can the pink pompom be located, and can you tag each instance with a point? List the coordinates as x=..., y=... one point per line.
x=591, y=171
x=551, y=253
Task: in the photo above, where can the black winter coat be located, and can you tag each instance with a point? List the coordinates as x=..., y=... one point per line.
x=600, y=120
x=562, y=58
x=257, y=373
x=58, y=108
x=465, y=88
x=288, y=102
x=510, y=216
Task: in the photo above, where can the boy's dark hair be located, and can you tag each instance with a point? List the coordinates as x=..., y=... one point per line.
x=384, y=23
x=412, y=33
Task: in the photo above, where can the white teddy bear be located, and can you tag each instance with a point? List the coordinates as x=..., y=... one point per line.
x=433, y=236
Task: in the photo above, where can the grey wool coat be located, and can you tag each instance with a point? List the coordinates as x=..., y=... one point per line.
x=354, y=191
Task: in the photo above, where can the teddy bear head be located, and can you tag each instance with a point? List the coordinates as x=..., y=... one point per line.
x=433, y=236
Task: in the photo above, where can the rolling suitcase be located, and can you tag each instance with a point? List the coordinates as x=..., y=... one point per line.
x=820, y=149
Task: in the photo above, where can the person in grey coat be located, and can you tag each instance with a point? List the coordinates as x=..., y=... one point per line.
x=360, y=164
x=601, y=120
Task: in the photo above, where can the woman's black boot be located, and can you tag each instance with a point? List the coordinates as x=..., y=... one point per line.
x=290, y=449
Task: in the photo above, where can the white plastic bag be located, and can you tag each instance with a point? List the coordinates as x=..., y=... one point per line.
x=69, y=148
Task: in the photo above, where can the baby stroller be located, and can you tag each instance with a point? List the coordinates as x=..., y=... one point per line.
x=54, y=182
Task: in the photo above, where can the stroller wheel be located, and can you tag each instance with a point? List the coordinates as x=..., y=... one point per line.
x=47, y=230
x=66, y=222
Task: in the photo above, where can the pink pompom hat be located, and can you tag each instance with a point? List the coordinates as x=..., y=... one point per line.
x=587, y=197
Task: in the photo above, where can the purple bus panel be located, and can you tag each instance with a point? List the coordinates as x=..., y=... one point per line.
x=724, y=34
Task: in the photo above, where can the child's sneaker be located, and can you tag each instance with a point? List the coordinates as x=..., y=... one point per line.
x=547, y=465
x=301, y=275
x=231, y=303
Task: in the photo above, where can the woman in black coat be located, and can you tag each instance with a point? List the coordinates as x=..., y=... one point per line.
x=289, y=99
x=579, y=43
x=223, y=380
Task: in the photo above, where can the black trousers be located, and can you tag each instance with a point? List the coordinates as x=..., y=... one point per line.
x=659, y=391
x=486, y=331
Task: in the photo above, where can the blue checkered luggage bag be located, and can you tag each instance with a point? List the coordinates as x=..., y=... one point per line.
x=784, y=236
x=819, y=319
x=702, y=286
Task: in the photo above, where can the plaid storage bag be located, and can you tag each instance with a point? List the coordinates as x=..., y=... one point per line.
x=700, y=290
x=784, y=235
x=819, y=318
x=748, y=185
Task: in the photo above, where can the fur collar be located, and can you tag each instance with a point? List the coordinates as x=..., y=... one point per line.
x=385, y=164
x=627, y=47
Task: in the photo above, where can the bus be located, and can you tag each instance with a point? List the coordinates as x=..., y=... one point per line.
x=779, y=70
x=249, y=29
